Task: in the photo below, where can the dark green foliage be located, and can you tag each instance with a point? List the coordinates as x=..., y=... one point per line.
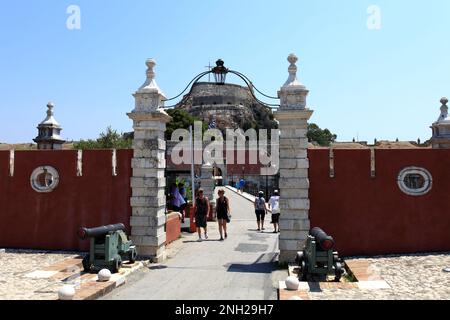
x=321, y=136
x=181, y=120
x=107, y=140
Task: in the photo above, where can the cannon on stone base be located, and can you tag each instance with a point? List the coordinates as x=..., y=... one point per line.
x=318, y=258
x=109, y=248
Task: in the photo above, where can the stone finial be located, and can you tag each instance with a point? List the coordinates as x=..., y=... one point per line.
x=50, y=107
x=292, y=80
x=441, y=128
x=50, y=119
x=293, y=93
x=150, y=83
x=444, y=111
x=149, y=97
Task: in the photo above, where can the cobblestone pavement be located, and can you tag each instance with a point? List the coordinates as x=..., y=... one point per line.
x=411, y=277
x=16, y=264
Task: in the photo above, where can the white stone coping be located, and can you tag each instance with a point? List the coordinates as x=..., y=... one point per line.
x=362, y=285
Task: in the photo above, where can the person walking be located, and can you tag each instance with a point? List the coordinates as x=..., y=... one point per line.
x=183, y=194
x=242, y=185
x=260, y=210
x=223, y=212
x=201, y=212
x=177, y=201
x=274, y=205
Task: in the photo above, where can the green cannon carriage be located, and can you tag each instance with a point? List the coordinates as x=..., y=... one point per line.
x=109, y=248
x=318, y=259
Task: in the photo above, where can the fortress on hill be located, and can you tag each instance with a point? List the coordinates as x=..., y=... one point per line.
x=228, y=106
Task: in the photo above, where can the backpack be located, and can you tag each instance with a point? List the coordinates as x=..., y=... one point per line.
x=260, y=204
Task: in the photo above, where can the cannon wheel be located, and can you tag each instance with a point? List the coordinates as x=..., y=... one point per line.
x=338, y=272
x=300, y=257
x=117, y=263
x=132, y=256
x=336, y=257
x=302, y=274
x=87, y=263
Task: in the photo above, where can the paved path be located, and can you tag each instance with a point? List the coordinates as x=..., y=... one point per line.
x=242, y=267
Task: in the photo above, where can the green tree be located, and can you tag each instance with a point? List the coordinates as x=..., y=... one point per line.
x=110, y=139
x=180, y=120
x=321, y=136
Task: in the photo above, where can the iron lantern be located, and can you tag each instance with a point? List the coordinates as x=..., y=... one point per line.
x=220, y=72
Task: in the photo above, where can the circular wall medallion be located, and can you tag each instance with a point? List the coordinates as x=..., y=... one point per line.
x=415, y=181
x=44, y=179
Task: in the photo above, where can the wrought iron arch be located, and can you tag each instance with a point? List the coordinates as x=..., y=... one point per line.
x=220, y=72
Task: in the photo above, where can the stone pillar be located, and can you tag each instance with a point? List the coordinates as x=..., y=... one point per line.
x=293, y=119
x=148, y=181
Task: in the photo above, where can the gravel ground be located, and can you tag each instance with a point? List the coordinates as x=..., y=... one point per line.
x=411, y=277
x=15, y=264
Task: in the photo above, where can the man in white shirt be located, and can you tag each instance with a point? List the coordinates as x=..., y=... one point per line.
x=274, y=204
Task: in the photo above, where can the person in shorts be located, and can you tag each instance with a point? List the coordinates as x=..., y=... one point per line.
x=274, y=205
x=260, y=210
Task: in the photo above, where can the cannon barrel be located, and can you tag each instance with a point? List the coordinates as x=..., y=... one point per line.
x=85, y=233
x=325, y=241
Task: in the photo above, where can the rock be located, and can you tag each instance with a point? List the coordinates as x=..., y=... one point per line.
x=104, y=275
x=2, y=251
x=66, y=293
x=295, y=298
x=446, y=269
x=292, y=283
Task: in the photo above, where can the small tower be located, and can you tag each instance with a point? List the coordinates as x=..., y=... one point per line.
x=49, y=132
x=441, y=128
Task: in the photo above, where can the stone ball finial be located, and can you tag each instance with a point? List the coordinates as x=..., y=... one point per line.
x=444, y=101
x=292, y=283
x=66, y=293
x=104, y=275
x=50, y=105
x=151, y=63
x=292, y=58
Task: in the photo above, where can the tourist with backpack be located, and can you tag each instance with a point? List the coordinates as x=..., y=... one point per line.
x=260, y=210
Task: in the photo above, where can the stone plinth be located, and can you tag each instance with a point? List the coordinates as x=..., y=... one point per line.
x=148, y=183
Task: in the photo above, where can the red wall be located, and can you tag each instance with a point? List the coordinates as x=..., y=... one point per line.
x=50, y=220
x=173, y=227
x=369, y=216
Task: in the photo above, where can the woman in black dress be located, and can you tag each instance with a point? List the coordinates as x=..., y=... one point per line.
x=201, y=211
x=223, y=211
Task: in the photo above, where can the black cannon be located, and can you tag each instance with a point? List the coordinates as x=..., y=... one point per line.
x=109, y=247
x=318, y=258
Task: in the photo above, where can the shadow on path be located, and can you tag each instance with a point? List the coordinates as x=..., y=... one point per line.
x=266, y=263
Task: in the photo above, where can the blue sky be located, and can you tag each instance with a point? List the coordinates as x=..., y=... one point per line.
x=381, y=84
